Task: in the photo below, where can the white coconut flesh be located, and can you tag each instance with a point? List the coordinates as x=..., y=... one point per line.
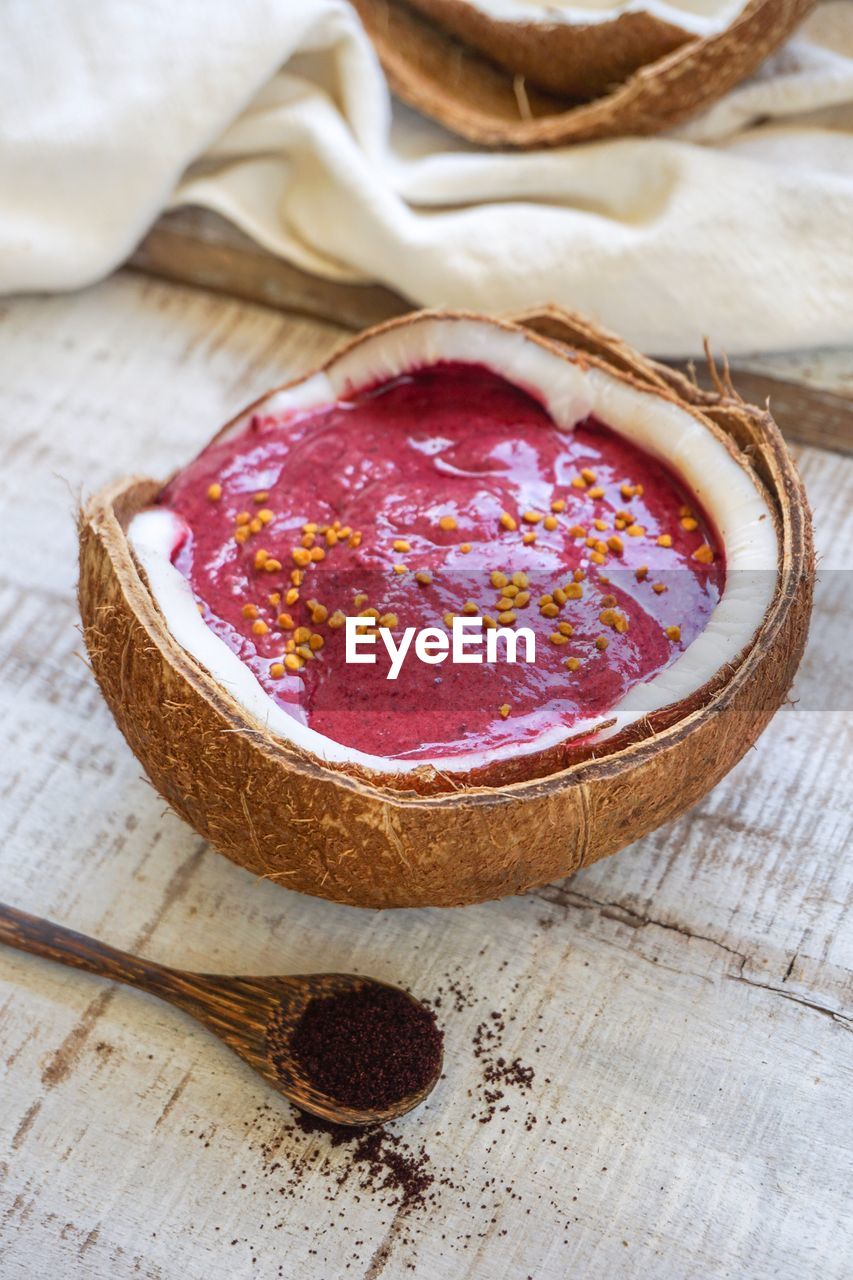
x=570, y=392
x=699, y=18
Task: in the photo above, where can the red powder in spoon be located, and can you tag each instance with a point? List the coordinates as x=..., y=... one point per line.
x=367, y=1048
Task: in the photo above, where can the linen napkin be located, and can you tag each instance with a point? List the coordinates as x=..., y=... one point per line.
x=276, y=114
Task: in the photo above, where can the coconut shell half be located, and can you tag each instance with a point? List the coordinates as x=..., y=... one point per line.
x=533, y=85
x=319, y=829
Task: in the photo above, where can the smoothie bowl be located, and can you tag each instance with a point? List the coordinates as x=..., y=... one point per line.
x=474, y=604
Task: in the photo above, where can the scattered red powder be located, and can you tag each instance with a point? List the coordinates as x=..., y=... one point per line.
x=384, y=1161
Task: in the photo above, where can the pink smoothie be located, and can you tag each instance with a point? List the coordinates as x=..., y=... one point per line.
x=443, y=462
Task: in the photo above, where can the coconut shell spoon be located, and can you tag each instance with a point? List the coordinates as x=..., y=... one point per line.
x=254, y=1016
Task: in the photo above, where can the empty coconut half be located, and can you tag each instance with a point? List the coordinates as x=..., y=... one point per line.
x=450, y=472
x=527, y=73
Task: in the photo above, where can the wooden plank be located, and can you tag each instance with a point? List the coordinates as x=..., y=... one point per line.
x=196, y=246
x=685, y=1006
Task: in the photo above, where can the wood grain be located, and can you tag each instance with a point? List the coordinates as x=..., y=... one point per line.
x=686, y=1006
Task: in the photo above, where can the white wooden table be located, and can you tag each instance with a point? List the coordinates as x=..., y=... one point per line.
x=686, y=1005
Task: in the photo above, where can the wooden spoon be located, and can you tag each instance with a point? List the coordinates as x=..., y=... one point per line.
x=241, y=1011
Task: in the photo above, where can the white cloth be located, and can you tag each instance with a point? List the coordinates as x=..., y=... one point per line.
x=275, y=113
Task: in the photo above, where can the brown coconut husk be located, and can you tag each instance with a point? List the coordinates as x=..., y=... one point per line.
x=379, y=841
x=519, y=84
x=567, y=59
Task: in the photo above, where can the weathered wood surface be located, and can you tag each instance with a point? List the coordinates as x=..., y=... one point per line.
x=811, y=395
x=686, y=1005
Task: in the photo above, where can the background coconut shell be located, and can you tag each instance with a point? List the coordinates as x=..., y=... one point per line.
x=275, y=810
x=456, y=83
x=568, y=59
